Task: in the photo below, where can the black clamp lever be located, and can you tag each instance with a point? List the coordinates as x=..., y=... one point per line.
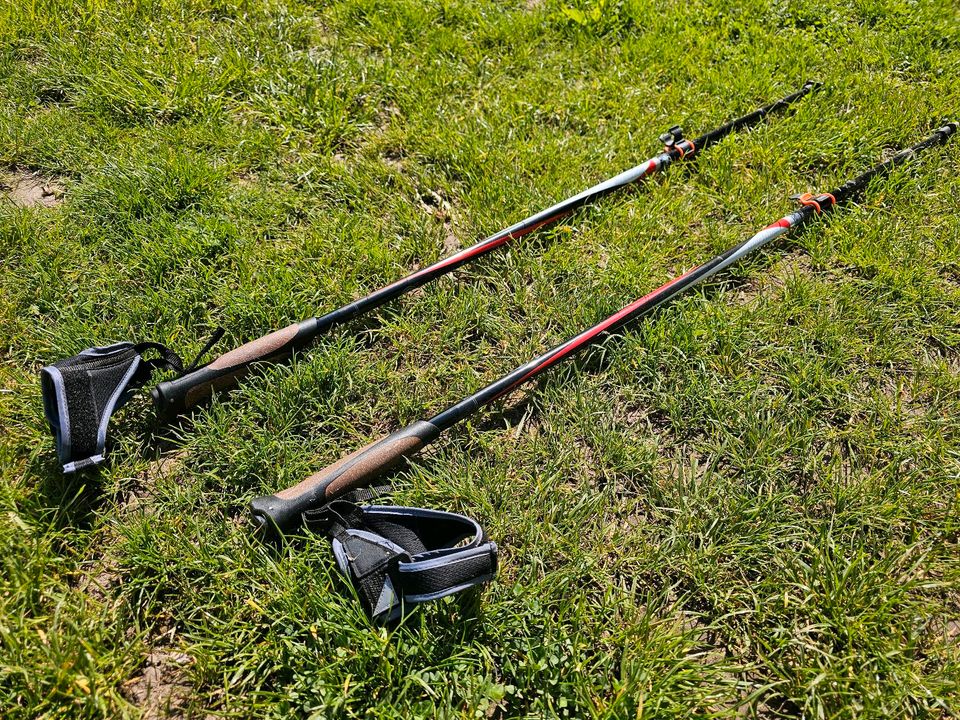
x=672, y=136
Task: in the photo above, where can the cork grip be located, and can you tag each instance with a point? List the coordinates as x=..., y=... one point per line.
x=281, y=512
x=180, y=394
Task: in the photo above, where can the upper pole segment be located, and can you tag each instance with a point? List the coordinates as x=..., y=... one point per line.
x=851, y=187
x=708, y=139
x=815, y=204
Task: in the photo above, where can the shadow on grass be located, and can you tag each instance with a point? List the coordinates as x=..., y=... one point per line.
x=63, y=502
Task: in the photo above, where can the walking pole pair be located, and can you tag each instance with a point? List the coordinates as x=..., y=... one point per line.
x=282, y=512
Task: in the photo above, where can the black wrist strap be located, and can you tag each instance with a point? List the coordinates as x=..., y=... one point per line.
x=81, y=393
x=398, y=557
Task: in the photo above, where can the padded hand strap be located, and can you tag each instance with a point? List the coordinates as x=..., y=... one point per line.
x=81, y=393
x=399, y=557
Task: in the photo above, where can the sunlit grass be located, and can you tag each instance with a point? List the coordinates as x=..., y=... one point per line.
x=747, y=504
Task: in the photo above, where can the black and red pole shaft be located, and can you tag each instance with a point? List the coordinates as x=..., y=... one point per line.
x=281, y=512
x=178, y=395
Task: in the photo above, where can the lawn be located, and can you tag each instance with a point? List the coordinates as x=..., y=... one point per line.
x=746, y=505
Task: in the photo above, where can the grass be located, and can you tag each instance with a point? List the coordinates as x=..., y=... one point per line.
x=746, y=505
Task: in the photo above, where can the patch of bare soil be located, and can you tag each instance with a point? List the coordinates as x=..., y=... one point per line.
x=246, y=180
x=450, y=242
x=98, y=583
x=104, y=571
x=162, y=689
x=387, y=114
x=901, y=398
x=28, y=189
x=139, y=495
x=394, y=159
x=433, y=203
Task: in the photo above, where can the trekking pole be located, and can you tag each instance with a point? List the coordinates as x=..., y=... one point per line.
x=280, y=513
x=189, y=389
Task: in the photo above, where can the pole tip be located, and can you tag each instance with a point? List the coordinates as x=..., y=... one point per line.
x=265, y=532
x=944, y=132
